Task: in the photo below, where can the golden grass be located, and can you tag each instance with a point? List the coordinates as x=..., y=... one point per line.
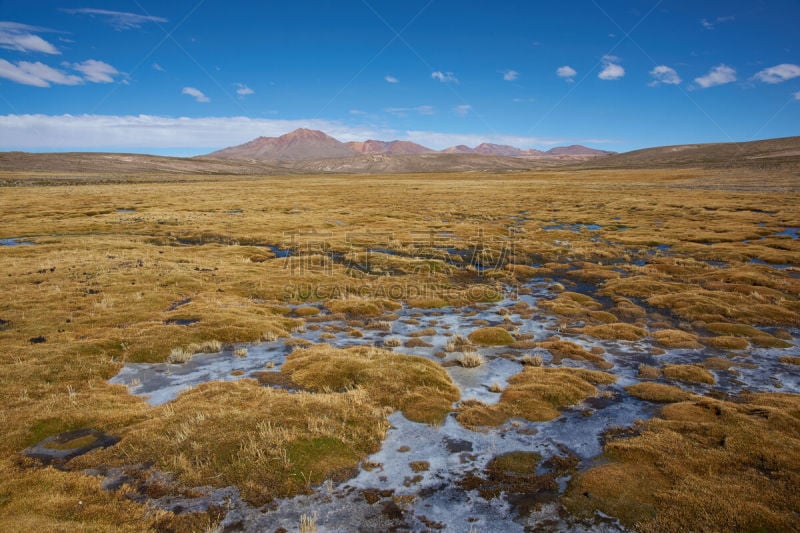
x=267, y=442
x=703, y=465
x=535, y=394
x=618, y=331
x=561, y=349
x=689, y=374
x=658, y=392
x=491, y=336
x=675, y=338
x=421, y=389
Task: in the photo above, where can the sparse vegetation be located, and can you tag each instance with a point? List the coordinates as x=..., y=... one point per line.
x=470, y=359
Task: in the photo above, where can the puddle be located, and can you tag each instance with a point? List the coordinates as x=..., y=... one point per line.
x=413, y=499
x=771, y=265
x=16, y=242
x=181, y=321
x=575, y=228
x=788, y=232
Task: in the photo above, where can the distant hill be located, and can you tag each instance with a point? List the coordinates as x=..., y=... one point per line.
x=299, y=144
x=304, y=144
x=391, y=147
x=770, y=152
x=577, y=149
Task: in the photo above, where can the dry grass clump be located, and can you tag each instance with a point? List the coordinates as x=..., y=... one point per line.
x=267, y=442
x=427, y=332
x=561, y=349
x=470, y=360
x=726, y=342
x=183, y=355
x=392, y=342
x=618, y=331
x=754, y=335
x=689, y=374
x=491, y=336
x=649, y=372
x=535, y=394
x=361, y=307
x=416, y=386
x=531, y=360
x=416, y=342
x=789, y=360
x=458, y=344
x=572, y=304
x=240, y=352
x=658, y=392
x=703, y=465
x=675, y=338
x=305, y=311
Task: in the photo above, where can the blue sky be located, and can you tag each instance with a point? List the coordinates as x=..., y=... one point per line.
x=185, y=77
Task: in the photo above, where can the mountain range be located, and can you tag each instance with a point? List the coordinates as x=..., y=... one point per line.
x=305, y=144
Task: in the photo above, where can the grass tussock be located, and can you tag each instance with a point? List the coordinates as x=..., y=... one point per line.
x=419, y=388
x=619, y=331
x=675, y=338
x=726, y=342
x=269, y=443
x=702, y=465
x=470, y=360
x=689, y=374
x=491, y=336
x=535, y=394
x=361, y=307
x=658, y=392
x=561, y=349
x=185, y=354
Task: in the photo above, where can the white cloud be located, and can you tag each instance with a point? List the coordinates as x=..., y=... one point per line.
x=444, y=77
x=719, y=75
x=244, y=90
x=797, y=95
x=22, y=38
x=778, y=73
x=404, y=111
x=510, y=75
x=664, y=74
x=566, y=72
x=197, y=94
x=150, y=133
x=358, y=112
x=96, y=71
x=711, y=24
x=391, y=79
x=611, y=69
x=462, y=110
x=158, y=67
x=36, y=74
x=118, y=19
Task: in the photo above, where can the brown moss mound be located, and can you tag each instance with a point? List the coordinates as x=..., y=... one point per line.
x=704, y=465
x=535, y=394
x=416, y=386
x=491, y=336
